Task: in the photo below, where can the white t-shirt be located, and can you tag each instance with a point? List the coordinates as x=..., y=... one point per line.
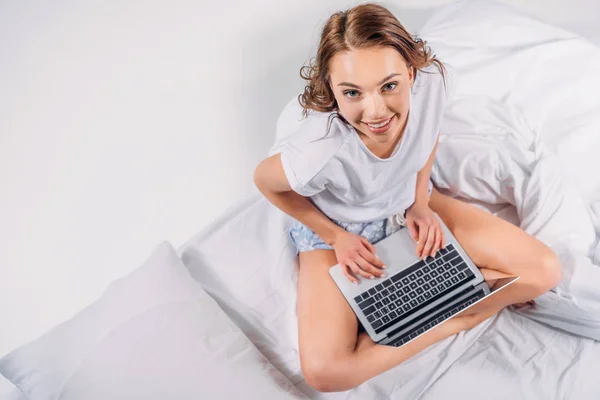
x=342, y=177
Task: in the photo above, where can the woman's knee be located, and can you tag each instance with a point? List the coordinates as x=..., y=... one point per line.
x=551, y=271
x=324, y=373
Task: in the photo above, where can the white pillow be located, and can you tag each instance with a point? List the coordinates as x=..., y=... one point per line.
x=153, y=334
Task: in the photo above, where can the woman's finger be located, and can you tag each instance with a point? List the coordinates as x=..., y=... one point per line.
x=358, y=270
x=348, y=273
x=429, y=242
x=364, y=265
x=437, y=241
x=422, y=239
x=368, y=245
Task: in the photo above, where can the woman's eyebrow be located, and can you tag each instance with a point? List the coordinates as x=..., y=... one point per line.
x=358, y=87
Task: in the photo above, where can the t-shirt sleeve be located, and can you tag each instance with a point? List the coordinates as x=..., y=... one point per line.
x=306, y=155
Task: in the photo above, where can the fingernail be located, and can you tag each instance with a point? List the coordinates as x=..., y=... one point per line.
x=356, y=282
x=384, y=267
x=372, y=277
x=382, y=275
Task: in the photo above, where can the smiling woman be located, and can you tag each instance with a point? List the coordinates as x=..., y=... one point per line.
x=379, y=96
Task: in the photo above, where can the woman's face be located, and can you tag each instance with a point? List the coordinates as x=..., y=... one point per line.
x=372, y=86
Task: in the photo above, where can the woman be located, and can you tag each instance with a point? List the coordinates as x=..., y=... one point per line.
x=362, y=161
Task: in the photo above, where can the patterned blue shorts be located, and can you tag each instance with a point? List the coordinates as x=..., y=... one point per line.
x=306, y=239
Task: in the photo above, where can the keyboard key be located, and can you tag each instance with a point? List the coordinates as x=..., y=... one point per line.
x=387, y=283
x=427, y=295
x=462, y=276
x=406, y=289
x=369, y=311
x=378, y=296
x=396, y=277
x=439, y=261
x=393, y=315
x=378, y=314
x=413, y=285
x=392, y=306
x=439, y=279
x=420, y=299
x=412, y=295
x=457, y=260
x=406, y=307
x=405, y=298
x=399, y=302
x=461, y=266
x=376, y=324
x=385, y=319
x=419, y=272
x=413, y=303
x=370, y=318
x=366, y=295
x=379, y=287
x=366, y=303
x=426, y=269
x=447, y=275
x=440, y=270
x=434, y=274
x=420, y=281
x=386, y=301
x=398, y=286
x=450, y=255
x=385, y=292
x=372, y=291
x=378, y=305
x=426, y=286
x=393, y=297
x=454, y=279
x=453, y=271
x=385, y=310
x=420, y=290
x=412, y=277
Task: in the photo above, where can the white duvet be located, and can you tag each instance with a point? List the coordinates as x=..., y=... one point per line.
x=520, y=140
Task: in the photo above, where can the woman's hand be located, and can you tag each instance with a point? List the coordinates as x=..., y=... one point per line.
x=355, y=253
x=425, y=229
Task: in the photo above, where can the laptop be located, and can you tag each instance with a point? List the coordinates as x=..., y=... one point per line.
x=415, y=295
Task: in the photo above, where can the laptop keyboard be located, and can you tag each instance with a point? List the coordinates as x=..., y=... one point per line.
x=437, y=318
x=413, y=288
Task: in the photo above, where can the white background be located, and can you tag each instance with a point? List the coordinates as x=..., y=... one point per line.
x=123, y=124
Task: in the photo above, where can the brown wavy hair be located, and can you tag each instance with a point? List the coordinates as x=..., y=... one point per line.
x=363, y=26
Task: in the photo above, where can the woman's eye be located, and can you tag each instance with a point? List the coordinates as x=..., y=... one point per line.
x=392, y=83
x=350, y=91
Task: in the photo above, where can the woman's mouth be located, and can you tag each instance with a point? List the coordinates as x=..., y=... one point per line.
x=382, y=127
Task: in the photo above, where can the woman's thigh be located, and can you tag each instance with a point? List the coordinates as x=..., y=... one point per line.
x=327, y=326
x=492, y=242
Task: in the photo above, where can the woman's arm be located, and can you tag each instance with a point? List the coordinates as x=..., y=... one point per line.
x=271, y=181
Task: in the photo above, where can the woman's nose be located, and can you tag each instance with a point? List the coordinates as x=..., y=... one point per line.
x=375, y=108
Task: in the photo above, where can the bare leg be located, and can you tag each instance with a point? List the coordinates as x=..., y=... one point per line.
x=333, y=358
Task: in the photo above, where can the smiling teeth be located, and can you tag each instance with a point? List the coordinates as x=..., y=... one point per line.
x=380, y=125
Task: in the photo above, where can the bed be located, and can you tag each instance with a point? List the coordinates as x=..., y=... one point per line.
x=520, y=140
